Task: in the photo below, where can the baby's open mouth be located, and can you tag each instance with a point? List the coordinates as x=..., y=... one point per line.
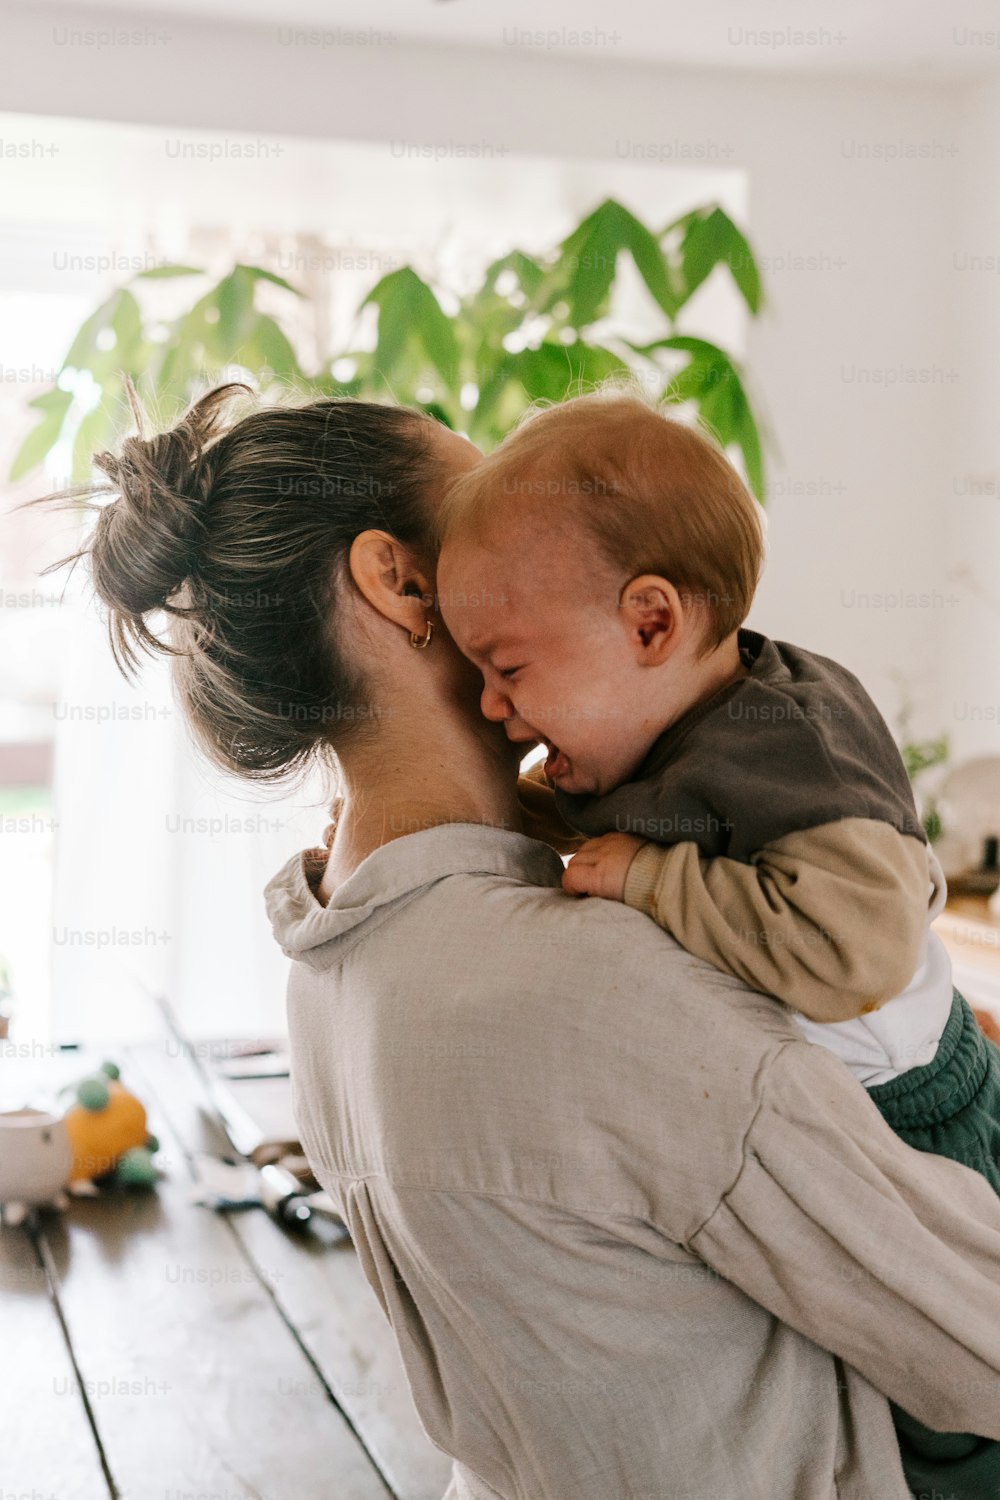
x=556, y=763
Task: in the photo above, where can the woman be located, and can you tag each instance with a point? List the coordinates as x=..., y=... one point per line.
x=634, y=1237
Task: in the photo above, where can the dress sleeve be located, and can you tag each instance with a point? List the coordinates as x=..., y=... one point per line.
x=887, y=1257
x=831, y=920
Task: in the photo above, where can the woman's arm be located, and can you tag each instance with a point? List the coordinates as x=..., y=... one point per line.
x=888, y=1257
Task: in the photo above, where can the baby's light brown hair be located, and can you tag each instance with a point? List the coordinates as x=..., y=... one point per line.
x=654, y=495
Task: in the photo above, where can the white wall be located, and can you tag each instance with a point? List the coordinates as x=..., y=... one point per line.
x=861, y=502
x=971, y=496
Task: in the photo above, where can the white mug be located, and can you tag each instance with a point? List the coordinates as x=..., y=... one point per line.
x=35, y=1156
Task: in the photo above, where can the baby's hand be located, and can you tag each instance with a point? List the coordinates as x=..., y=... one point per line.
x=600, y=866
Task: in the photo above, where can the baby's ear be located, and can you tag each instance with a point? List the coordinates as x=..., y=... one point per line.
x=653, y=615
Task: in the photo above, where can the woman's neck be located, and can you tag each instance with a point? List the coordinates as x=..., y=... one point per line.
x=391, y=789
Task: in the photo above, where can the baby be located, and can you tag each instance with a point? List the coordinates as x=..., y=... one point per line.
x=743, y=792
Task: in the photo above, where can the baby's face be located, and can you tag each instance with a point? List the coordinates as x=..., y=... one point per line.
x=554, y=654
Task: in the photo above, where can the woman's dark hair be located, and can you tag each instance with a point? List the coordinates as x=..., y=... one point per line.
x=239, y=532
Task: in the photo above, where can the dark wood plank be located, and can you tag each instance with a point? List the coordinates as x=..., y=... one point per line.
x=322, y=1291
x=49, y=1447
x=195, y=1381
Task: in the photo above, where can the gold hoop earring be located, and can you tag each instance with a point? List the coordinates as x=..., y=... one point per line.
x=421, y=642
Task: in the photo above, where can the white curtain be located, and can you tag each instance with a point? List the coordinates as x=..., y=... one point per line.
x=159, y=861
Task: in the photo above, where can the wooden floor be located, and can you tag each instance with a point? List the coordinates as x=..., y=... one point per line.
x=154, y=1349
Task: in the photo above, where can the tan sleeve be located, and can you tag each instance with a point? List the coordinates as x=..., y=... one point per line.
x=831, y=920
x=886, y=1256
x=540, y=818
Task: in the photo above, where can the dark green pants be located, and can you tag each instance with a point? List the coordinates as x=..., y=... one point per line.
x=950, y=1107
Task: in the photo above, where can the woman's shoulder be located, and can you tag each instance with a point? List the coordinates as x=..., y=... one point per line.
x=571, y=1049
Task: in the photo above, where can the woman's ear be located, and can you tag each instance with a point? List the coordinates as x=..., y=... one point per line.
x=652, y=613
x=391, y=578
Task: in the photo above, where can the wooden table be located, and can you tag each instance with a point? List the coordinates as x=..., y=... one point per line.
x=152, y=1348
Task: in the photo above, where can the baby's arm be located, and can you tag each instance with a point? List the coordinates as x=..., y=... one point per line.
x=831, y=920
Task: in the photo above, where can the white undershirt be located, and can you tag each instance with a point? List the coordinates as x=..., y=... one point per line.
x=905, y=1032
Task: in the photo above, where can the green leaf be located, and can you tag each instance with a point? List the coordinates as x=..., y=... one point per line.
x=93, y=434
x=527, y=272
x=161, y=273
x=51, y=402
x=487, y=317
x=84, y=346
x=588, y=260
x=713, y=382
x=920, y=755
x=325, y=388
x=703, y=351
x=126, y=322
x=258, y=273
x=746, y=273
x=131, y=351
x=200, y=343
x=437, y=336
x=703, y=247
x=718, y=407
x=651, y=266
x=54, y=406
x=436, y=410
x=422, y=348
x=698, y=242
x=234, y=299
x=530, y=375
x=586, y=267
x=275, y=350
x=550, y=373
x=751, y=448
x=412, y=325
x=120, y=317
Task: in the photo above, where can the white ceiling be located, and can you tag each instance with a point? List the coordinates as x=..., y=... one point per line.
x=915, y=38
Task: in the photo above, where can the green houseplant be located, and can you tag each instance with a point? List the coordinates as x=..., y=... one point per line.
x=534, y=328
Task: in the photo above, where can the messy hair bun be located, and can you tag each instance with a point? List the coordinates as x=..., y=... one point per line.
x=148, y=544
x=238, y=532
